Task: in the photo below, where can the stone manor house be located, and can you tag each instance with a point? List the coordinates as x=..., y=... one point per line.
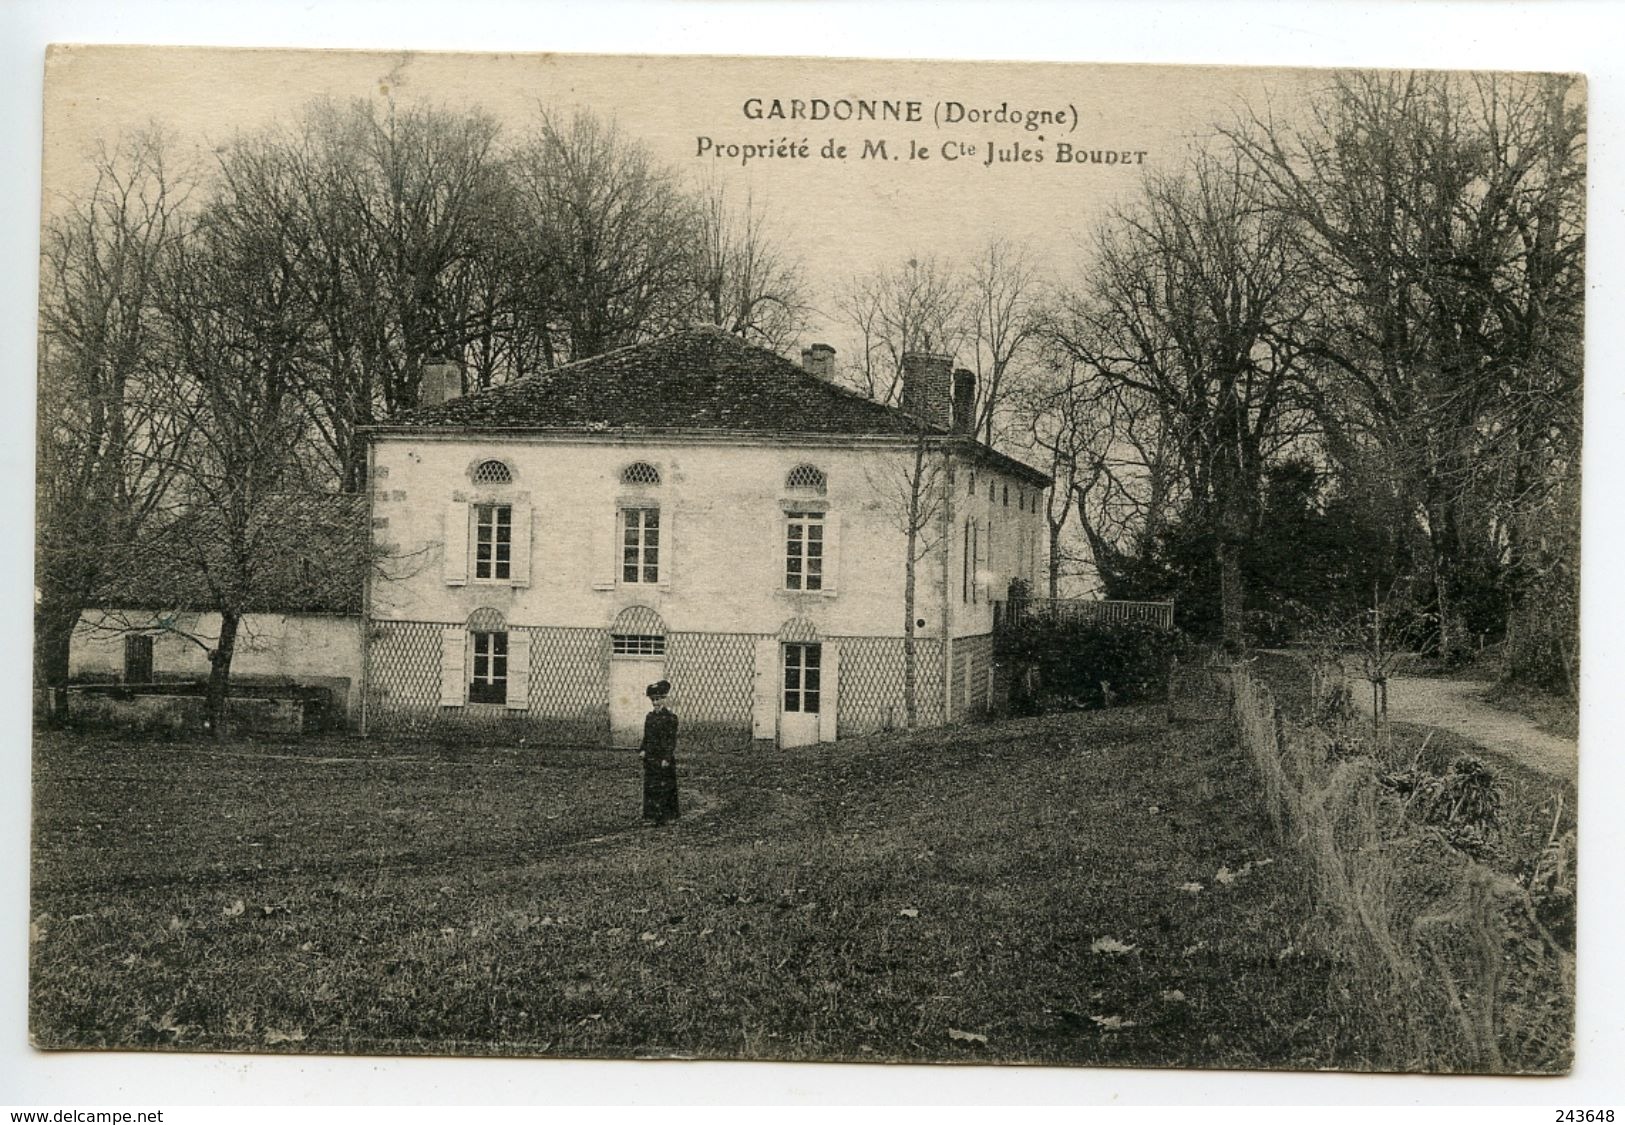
x=694, y=509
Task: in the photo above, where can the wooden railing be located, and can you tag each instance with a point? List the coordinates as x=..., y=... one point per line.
x=1160, y=614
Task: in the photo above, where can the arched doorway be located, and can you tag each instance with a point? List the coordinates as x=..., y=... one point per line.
x=637, y=658
x=804, y=674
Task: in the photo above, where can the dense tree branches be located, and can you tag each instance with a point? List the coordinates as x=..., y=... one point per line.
x=1382, y=288
x=105, y=437
x=212, y=347
x=1443, y=218
x=990, y=315
x=1191, y=295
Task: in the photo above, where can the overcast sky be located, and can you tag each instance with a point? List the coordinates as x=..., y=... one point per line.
x=837, y=216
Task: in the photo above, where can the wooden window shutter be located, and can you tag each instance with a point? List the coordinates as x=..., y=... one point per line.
x=453, y=666
x=519, y=552
x=668, y=558
x=829, y=689
x=983, y=531
x=456, y=536
x=604, y=543
x=518, y=670
x=832, y=553
x=764, y=714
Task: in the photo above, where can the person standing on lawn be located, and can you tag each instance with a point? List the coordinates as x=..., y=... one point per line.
x=659, y=754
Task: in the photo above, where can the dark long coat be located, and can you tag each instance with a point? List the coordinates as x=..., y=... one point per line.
x=659, y=754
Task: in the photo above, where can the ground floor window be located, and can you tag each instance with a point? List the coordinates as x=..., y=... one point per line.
x=801, y=677
x=490, y=682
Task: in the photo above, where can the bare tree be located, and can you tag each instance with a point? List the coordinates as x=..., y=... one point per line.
x=1187, y=303
x=105, y=442
x=608, y=235
x=1005, y=317
x=916, y=306
x=1110, y=454
x=390, y=219
x=1444, y=217
x=235, y=335
x=744, y=281
x=913, y=493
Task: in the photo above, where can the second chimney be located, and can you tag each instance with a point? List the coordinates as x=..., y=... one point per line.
x=964, y=402
x=442, y=381
x=927, y=388
x=819, y=360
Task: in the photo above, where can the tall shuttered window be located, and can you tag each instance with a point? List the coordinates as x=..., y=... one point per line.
x=493, y=542
x=490, y=681
x=640, y=545
x=804, y=551
x=803, y=674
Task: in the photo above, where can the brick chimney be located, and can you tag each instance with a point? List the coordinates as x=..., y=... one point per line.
x=442, y=381
x=964, y=402
x=819, y=360
x=927, y=388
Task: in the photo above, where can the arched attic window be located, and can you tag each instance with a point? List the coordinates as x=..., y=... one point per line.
x=493, y=472
x=640, y=472
x=807, y=478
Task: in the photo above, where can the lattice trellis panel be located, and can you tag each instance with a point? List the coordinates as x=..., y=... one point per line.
x=569, y=689
x=871, y=683
x=712, y=674
x=569, y=680
x=798, y=630
x=979, y=652
x=961, y=705
x=712, y=677
x=639, y=619
x=403, y=675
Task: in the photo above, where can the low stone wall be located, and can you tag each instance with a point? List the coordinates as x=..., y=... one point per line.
x=179, y=711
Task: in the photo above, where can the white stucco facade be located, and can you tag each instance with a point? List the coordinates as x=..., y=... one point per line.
x=724, y=503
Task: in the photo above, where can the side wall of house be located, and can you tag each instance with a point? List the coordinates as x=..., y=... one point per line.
x=997, y=537
x=319, y=650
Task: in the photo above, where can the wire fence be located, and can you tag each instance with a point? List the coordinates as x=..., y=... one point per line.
x=1440, y=964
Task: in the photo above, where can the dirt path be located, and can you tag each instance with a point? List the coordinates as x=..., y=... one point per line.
x=1454, y=705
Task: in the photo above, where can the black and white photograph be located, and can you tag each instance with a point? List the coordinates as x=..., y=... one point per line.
x=803, y=559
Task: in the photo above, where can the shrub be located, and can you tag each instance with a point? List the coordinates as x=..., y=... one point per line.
x=1078, y=664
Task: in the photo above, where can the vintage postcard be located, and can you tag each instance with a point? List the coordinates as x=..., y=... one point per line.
x=807, y=559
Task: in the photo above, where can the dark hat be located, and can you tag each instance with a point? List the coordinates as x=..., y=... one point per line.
x=658, y=690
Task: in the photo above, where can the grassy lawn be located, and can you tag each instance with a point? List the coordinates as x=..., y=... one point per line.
x=964, y=895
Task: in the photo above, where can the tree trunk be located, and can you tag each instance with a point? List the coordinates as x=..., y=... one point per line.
x=54, y=623
x=910, y=585
x=220, y=673
x=1054, y=561
x=53, y=636
x=1232, y=595
x=910, y=660
x=1444, y=545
